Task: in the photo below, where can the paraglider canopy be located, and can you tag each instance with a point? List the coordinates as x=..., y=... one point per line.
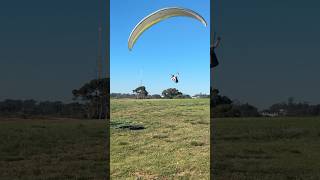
x=158, y=16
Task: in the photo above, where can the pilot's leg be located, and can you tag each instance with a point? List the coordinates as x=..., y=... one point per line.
x=214, y=60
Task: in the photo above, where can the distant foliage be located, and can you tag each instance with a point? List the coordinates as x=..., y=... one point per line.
x=133, y=96
x=246, y=110
x=292, y=108
x=155, y=96
x=223, y=106
x=200, y=95
x=31, y=108
x=120, y=95
x=182, y=96
x=172, y=93
x=141, y=92
x=91, y=101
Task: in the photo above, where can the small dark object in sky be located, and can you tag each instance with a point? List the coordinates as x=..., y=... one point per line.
x=131, y=127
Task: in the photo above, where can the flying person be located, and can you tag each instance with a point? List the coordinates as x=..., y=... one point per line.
x=213, y=58
x=174, y=78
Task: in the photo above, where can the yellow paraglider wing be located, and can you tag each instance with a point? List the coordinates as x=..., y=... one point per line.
x=158, y=16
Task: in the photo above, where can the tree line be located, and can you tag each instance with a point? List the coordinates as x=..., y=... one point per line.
x=293, y=108
x=141, y=93
x=91, y=101
x=31, y=108
x=223, y=106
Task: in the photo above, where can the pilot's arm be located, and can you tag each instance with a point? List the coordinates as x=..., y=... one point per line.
x=217, y=43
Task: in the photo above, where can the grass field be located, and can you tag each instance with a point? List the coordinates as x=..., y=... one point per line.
x=174, y=145
x=52, y=149
x=267, y=148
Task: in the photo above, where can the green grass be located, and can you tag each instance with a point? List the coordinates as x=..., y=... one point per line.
x=52, y=149
x=175, y=143
x=267, y=148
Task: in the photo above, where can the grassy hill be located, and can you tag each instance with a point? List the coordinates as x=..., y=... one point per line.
x=174, y=143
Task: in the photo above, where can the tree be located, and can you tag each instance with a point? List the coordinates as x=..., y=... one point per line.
x=155, y=96
x=50, y=108
x=171, y=93
x=217, y=99
x=291, y=101
x=95, y=95
x=225, y=110
x=223, y=106
x=214, y=91
x=29, y=107
x=141, y=92
x=247, y=110
x=9, y=106
x=182, y=96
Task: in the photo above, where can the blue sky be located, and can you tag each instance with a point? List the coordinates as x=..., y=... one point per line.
x=269, y=51
x=177, y=44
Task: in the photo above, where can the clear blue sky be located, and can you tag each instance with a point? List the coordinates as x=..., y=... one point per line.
x=269, y=52
x=178, y=44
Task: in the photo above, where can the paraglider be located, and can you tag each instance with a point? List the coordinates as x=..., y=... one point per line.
x=174, y=77
x=213, y=57
x=158, y=16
